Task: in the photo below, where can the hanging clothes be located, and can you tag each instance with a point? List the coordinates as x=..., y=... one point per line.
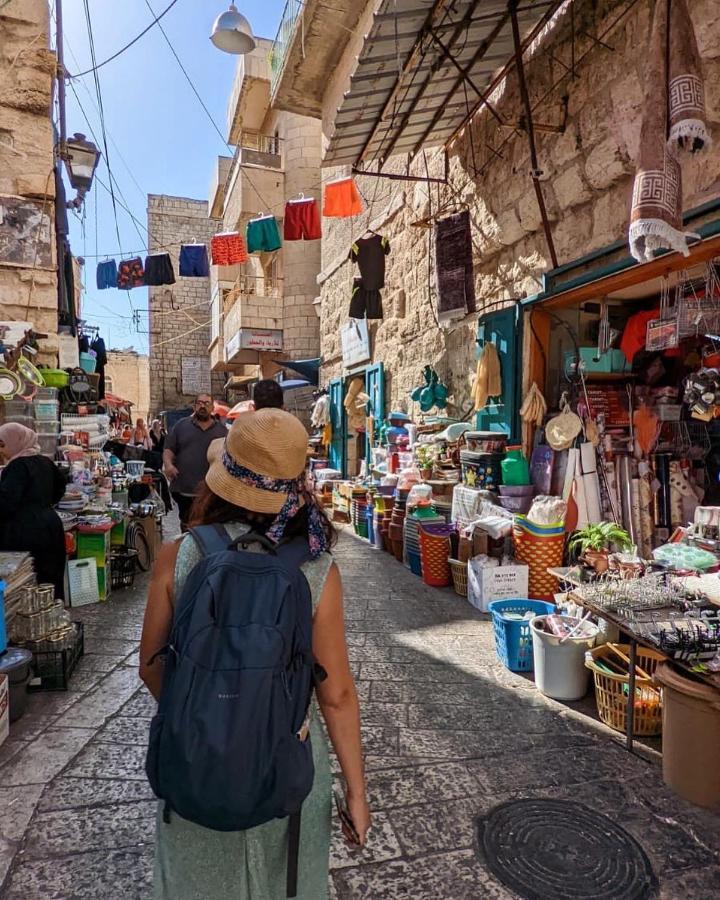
x=263, y=235
x=488, y=379
x=342, y=199
x=159, y=269
x=130, y=274
x=194, y=261
x=302, y=221
x=454, y=267
x=106, y=274
x=228, y=249
x=364, y=303
x=320, y=415
x=369, y=253
x=98, y=345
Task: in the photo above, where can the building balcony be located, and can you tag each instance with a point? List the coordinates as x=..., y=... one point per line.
x=255, y=182
x=309, y=43
x=216, y=200
x=253, y=321
x=250, y=98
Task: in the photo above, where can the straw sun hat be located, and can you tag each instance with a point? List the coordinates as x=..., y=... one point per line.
x=269, y=443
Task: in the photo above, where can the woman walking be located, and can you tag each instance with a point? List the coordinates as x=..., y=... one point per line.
x=30, y=486
x=157, y=436
x=255, y=483
x=140, y=436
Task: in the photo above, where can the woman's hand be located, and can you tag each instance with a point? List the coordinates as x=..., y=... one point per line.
x=359, y=812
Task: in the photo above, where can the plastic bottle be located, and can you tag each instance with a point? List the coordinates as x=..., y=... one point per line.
x=515, y=468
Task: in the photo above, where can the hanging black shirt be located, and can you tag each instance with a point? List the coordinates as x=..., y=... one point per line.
x=369, y=253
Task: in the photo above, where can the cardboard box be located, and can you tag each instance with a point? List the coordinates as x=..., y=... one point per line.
x=4, y=708
x=488, y=583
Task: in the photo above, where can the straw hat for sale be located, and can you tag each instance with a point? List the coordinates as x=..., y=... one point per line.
x=257, y=465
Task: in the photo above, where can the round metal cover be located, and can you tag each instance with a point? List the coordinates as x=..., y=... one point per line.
x=546, y=849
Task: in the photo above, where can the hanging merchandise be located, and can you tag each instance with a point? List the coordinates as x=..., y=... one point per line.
x=263, y=235
x=130, y=274
x=228, y=249
x=454, y=267
x=369, y=253
x=159, y=269
x=532, y=413
x=302, y=220
x=194, y=261
x=342, y=199
x=646, y=428
x=488, y=378
x=432, y=393
x=364, y=303
x=98, y=347
x=320, y=415
x=106, y=275
x=673, y=85
x=561, y=431
x=355, y=402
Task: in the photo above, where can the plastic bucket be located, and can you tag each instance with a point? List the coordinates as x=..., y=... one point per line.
x=15, y=663
x=560, y=670
x=691, y=737
x=87, y=363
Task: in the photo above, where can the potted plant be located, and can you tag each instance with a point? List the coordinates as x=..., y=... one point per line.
x=593, y=542
x=425, y=456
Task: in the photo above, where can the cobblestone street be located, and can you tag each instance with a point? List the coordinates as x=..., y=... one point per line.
x=449, y=733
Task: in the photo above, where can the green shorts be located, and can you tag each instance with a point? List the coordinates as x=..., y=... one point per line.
x=263, y=235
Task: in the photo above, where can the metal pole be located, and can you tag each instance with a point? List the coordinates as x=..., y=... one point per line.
x=60, y=74
x=630, y=729
x=535, y=173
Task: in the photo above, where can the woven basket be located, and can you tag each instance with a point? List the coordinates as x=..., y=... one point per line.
x=435, y=552
x=540, y=547
x=459, y=572
x=611, y=691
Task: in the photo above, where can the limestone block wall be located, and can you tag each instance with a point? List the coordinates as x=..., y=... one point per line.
x=28, y=290
x=589, y=172
x=130, y=374
x=179, y=314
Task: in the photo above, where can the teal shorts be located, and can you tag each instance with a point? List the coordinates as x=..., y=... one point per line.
x=263, y=235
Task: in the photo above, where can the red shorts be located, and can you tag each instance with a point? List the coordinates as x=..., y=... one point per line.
x=302, y=221
x=228, y=249
x=342, y=199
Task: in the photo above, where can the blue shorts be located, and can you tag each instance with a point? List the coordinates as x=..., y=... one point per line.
x=106, y=275
x=194, y=261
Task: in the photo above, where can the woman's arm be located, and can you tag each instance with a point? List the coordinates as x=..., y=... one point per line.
x=13, y=488
x=338, y=698
x=158, y=617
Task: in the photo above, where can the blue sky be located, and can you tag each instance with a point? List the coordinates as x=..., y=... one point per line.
x=160, y=141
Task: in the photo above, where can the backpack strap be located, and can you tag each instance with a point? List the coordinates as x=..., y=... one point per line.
x=293, y=855
x=294, y=553
x=211, y=538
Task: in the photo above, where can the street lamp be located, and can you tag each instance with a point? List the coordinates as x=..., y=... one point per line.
x=81, y=158
x=232, y=33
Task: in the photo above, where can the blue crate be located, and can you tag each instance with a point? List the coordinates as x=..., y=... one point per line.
x=513, y=640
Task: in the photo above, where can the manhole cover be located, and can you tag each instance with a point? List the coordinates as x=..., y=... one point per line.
x=548, y=849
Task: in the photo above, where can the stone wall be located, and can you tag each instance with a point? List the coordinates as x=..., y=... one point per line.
x=130, y=373
x=28, y=280
x=587, y=187
x=179, y=313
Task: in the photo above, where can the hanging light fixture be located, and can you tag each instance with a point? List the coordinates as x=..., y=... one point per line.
x=232, y=33
x=81, y=158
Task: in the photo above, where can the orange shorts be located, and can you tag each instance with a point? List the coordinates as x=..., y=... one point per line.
x=342, y=199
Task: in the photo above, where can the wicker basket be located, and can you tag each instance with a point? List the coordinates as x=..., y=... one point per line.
x=540, y=547
x=611, y=691
x=459, y=572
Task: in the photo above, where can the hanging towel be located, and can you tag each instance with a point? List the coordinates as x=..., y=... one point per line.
x=454, y=267
x=656, y=216
x=488, y=378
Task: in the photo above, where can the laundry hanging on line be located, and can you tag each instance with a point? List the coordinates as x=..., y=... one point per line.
x=263, y=235
x=364, y=303
x=106, y=275
x=228, y=249
x=131, y=274
x=369, y=253
x=159, y=269
x=194, y=261
x=342, y=199
x=302, y=220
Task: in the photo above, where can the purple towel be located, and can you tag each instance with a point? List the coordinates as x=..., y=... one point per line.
x=454, y=266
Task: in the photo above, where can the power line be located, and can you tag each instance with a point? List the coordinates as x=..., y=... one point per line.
x=96, y=65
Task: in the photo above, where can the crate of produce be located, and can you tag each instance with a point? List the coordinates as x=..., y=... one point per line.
x=55, y=659
x=612, y=687
x=513, y=638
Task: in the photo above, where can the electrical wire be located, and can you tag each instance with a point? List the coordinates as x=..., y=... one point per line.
x=96, y=65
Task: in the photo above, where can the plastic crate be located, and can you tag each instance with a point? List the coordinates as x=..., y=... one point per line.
x=52, y=669
x=123, y=565
x=513, y=638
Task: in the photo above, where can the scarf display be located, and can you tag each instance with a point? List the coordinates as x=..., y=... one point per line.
x=673, y=121
x=297, y=495
x=454, y=267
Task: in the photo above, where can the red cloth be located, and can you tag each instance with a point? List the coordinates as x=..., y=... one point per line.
x=302, y=221
x=228, y=249
x=634, y=336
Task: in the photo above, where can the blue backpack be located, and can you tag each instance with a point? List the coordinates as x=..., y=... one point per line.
x=229, y=747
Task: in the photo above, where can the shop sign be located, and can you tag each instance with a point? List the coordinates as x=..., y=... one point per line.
x=355, y=341
x=195, y=375
x=260, y=339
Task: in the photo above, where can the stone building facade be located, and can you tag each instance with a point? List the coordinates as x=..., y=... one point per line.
x=179, y=314
x=588, y=171
x=129, y=374
x=28, y=257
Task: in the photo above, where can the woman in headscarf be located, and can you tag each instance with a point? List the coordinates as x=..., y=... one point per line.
x=255, y=483
x=30, y=486
x=157, y=436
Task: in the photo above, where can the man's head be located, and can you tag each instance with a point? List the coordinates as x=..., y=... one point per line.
x=268, y=394
x=203, y=407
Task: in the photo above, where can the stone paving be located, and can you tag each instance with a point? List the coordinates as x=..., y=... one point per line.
x=448, y=734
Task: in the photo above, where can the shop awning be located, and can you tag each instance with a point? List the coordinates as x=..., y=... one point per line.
x=438, y=48
x=113, y=401
x=308, y=368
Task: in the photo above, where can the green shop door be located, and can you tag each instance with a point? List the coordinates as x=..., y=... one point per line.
x=501, y=413
x=336, y=393
x=375, y=389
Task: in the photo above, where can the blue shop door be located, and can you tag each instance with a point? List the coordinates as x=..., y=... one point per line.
x=375, y=389
x=501, y=413
x=337, y=420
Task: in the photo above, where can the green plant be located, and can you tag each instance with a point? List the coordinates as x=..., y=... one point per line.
x=425, y=455
x=600, y=537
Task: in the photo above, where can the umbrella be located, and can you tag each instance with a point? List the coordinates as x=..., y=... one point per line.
x=293, y=383
x=308, y=368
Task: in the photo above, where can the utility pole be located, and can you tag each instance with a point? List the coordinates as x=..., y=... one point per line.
x=60, y=74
